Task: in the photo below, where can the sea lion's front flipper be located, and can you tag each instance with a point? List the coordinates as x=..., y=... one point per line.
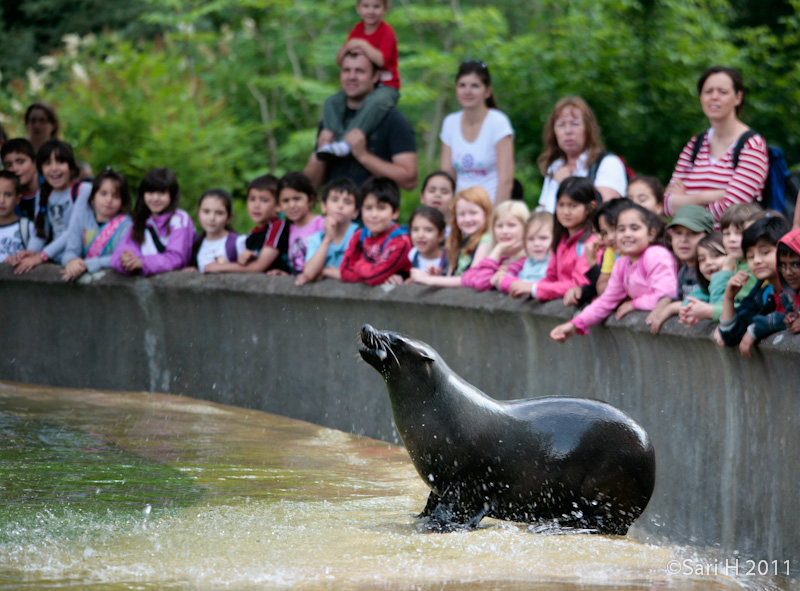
x=447, y=513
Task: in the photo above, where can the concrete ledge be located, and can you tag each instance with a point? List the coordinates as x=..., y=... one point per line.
x=725, y=428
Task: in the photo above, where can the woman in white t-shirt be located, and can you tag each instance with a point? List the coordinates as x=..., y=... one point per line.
x=573, y=147
x=478, y=140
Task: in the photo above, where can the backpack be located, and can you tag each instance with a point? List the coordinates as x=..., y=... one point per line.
x=230, y=246
x=596, y=166
x=781, y=187
x=365, y=233
x=76, y=186
x=24, y=232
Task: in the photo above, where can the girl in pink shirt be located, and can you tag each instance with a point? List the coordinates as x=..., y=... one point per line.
x=643, y=274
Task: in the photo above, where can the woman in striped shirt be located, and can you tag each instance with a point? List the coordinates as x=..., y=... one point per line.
x=714, y=178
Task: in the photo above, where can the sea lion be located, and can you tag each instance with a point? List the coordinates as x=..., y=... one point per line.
x=571, y=463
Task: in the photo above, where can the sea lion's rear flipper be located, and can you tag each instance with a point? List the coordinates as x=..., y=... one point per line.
x=430, y=506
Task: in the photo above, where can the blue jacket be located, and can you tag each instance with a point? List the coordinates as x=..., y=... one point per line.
x=755, y=313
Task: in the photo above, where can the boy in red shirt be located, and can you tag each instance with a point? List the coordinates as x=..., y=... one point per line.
x=378, y=252
x=375, y=39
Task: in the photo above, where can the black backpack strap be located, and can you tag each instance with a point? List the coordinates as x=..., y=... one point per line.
x=196, y=244
x=737, y=149
x=76, y=187
x=698, y=142
x=596, y=166
x=159, y=245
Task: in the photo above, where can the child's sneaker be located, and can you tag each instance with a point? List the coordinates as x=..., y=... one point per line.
x=333, y=150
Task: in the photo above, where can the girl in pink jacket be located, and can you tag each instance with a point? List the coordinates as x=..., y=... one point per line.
x=567, y=268
x=162, y=235
x=643, y=274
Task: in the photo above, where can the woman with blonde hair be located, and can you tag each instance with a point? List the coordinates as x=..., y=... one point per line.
x=573, y=146
x=469, y=238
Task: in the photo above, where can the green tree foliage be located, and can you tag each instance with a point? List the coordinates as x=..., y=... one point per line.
x=234, y=88
x=33, y=28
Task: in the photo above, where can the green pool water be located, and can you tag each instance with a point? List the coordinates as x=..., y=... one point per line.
x=110, y=491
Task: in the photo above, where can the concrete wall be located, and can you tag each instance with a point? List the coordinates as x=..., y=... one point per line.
x=726, y=429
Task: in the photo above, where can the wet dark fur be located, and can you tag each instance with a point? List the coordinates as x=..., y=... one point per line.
x=575, y=463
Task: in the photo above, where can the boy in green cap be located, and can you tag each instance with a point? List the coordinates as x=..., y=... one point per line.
x=690, y=225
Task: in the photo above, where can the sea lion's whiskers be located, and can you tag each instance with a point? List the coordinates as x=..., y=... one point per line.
x=389, y=349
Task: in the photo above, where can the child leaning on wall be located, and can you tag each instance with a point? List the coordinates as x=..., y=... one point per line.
x=732, y=224
x=753, y=319
x=55, y=161
x=604, y=223
x=266, y=246
x=296, y=197
x=508, y=222
x=427, y=230
x=643, y=275
x=325, y=249
x=378, y=253
x=522, y=274
x=16, y=234
x=19, y=157
x=100, y=223
x=710, y=259
x=789, y=276
x=690, y=224
x=217, y=242
x=575, y=202
x=161, y=237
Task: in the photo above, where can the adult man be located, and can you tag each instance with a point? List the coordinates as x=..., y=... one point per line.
x=390, y=151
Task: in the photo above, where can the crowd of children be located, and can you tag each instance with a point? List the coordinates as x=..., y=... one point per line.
x=613, y=257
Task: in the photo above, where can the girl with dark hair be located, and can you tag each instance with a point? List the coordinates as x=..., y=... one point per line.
x=573, y=147
x=438, y=191
x=296, y=197
x=567, y=268
x=217, y=242
x=726, y=164
x=478, y=140
x=162, y=235
x=643, y=275
x=99, y=225
x=427, y=231
x=648, y=192
x=56, y=163
x=700, y=304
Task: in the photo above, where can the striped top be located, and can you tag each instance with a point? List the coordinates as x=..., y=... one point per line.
x=741, y=185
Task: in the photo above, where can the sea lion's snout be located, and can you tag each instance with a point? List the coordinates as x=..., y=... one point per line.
x=373, y=346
